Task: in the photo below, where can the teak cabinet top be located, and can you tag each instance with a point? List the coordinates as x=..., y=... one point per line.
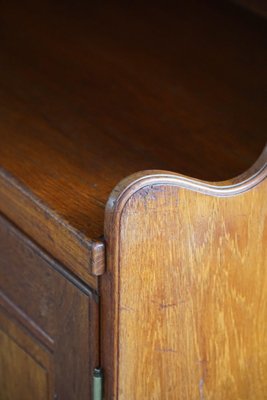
x=92, y=93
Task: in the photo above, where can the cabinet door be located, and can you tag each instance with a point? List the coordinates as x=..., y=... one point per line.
x=26, y=368
x=48, y=325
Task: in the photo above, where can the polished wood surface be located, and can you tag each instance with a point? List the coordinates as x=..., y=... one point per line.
x=48, y=323
x=90, y=93
x=26, y=368
x=47, y=229
x=187, y=281
x=93, y=92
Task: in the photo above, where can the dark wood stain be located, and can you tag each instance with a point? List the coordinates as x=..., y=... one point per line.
x=51, y=314
x=93, y=92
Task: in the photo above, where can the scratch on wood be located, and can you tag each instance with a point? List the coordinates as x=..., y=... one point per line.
x=166, y=350
x=168, y=305
x=162, y=305
x=126, y=308
x=149, y=193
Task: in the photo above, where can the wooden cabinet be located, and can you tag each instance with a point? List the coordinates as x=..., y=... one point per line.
x=115, y=283
x=49, y=339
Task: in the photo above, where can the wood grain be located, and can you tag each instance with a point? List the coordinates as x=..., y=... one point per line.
x=29, y=378
x=83, y=105
x=187, y=276
x=51, y=232
x=26, y=368
x=54, y=311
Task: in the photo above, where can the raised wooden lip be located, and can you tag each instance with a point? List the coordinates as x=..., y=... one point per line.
x=232, y=187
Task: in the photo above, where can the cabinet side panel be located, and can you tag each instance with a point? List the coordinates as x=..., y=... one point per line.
x=191, y=305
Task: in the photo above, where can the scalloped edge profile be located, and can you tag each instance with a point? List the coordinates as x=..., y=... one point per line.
x=114, y=209
x=232, y=187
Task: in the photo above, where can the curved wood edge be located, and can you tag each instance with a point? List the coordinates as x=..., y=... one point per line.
x=235, y=186
x=114, y=209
